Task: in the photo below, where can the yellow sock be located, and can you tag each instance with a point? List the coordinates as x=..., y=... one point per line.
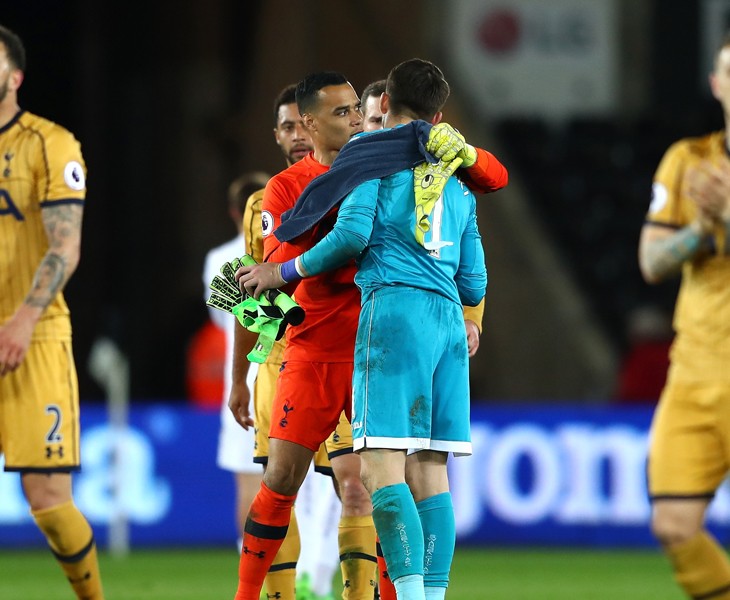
x=72, y=542
x=358, y=561
x=280, y=581
x=701, y=567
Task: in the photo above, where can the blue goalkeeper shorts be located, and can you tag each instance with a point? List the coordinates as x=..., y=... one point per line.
x=411, y=377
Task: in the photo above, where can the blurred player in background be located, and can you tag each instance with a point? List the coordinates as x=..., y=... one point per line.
x=687, y=230
x=314, y=386
x=42, y=192
x=372, y=118
x=235, y=445
x=316, y=532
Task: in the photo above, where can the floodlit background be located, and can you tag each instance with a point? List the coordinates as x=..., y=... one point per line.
x=579, y=98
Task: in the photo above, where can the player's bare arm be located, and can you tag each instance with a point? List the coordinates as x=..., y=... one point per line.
x=239, y=399
x=663, y=250
x=63, y=230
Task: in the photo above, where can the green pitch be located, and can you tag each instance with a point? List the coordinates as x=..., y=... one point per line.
x=493, y=574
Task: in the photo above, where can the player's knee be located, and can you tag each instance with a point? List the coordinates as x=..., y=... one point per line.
x=355, y=498
x=670, y=530
x=45, y=493
x=282, y=479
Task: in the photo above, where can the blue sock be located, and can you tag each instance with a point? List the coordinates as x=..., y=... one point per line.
x=399, y=529
x=439, y=533
x=435, y=593
x=409, y=587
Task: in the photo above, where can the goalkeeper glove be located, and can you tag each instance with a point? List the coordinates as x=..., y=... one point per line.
x=429, y=181
x=268, y=315
x=446, y=143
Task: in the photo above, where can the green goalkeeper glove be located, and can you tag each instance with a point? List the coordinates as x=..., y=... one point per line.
x=268, y=315
x=429, y=181
x=446, y=143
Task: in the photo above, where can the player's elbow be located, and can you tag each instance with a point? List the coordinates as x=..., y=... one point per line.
x=650, y=272
x=71, y=254
x=471, y=296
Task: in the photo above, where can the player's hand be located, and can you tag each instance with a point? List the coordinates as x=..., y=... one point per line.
x=15, y=336
x=238, y=403
x=428, y=183
x=256, y=279
x=446, y=143
x=472, y=337
x=708, y=186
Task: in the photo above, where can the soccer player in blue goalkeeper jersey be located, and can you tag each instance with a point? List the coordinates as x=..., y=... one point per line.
x=411, y=401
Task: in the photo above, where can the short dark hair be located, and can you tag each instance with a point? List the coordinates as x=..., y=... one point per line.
x=14, y=47
x=243, y=186
x=309, y=87
x=285, y=96
x=376, y=88
x=418, y=88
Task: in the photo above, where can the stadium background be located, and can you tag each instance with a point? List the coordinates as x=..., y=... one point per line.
x=579, y=98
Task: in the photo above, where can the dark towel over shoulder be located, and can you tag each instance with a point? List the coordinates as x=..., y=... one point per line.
x=370, y=156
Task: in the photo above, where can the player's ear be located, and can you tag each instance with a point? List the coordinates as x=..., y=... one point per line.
x=15, y=80
x=714, y=86
x=308, y=120
x=384, y=102
x=437, y=118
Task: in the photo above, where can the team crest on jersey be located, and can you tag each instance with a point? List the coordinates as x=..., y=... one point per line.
x=659, y=197
x=267, y=222
x=73, y=175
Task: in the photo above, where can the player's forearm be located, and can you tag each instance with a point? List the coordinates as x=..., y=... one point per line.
x=243, y=341
x=337, y=248
x=663, y=258
x=63, y=230
x=487, y=174
x=349, y=236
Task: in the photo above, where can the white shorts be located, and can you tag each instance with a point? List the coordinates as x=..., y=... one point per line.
x=235, y=444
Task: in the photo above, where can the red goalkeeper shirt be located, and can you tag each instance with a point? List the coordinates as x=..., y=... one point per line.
x=331, y=300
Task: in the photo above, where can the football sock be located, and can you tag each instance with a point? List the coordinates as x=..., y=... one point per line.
x=701, y=567
x=357, y=557
x=263, y=535
x=386, y=589
x=401, y=538
x=410, y=587
x=439, y=539
x=72, y=543
x=280, y=581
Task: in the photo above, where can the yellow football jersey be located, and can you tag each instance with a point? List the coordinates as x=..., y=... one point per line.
x=40, y=166
x=253, y=233
x=701, y=351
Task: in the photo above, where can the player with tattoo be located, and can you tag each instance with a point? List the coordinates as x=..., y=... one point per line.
x=42, y=192
x=687, y=230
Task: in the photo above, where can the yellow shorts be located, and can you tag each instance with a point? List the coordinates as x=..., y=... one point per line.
x=689, y=452
x=39, y=411
x=339, y=442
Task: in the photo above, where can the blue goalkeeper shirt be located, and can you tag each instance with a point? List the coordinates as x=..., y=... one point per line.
x=377, y=222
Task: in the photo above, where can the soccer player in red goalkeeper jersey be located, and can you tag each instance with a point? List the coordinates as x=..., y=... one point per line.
x=315, y=385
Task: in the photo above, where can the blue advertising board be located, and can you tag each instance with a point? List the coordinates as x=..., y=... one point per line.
x=539, y=475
